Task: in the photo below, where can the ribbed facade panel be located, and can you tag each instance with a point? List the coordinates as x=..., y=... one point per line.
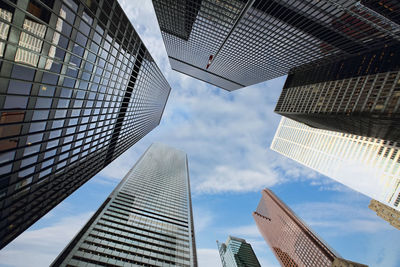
x=77, y=89
x=368, y=165
x=146, y=221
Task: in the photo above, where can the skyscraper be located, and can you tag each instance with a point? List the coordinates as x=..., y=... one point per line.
x=237, y=43
x=77, y=89
x=291, y=240
x=147, y=220
x=389, y=214
x=236, y=252
x=358, y=95
x=368, y=165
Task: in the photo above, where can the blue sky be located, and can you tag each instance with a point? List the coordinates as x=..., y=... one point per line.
x=227, y=138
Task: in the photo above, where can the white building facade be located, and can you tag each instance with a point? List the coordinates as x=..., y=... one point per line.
x=367, y=165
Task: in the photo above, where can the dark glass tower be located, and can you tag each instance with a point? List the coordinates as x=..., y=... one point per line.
x=291, y=240
x=359, y=95
x=77, y=89
x=237, y=43
x=236, y=252
x=146, y=221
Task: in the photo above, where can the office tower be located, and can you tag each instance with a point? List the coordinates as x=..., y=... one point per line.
x=291, y=240
x=146, y=221
x=389, y=214
x=358, y=95
x=77, y=89
x=236, y=252
x=237, y=43
x=367, y=165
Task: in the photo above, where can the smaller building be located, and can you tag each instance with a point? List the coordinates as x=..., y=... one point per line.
x=236, y=252
x=387, y=213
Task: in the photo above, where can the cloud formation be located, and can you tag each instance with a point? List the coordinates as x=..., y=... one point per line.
x=341, y=218
x=41, y=246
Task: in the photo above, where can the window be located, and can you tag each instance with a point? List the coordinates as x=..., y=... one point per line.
x=30, y=44
x=37, y=126
x=40, y=115
x=28, y=161
x=34, y=138
x=58, y=124
x=43, y=102
x=50, y=153
x=18, y=87
x=16, y=102
x=23, y=182
x=8, y=156
x=22, y=73
x=31, y=149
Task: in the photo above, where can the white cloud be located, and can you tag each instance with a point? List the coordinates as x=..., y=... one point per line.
x=39, y=247
x=245, y=231
x=341, y=218
x=203, y=218
x=208, y=257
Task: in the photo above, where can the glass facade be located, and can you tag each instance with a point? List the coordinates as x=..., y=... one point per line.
x=236, y=252
x=237, y=43
x=358, y=95
x=146, y=221
x=291, y=240
x=368, y=165
x=77, y=89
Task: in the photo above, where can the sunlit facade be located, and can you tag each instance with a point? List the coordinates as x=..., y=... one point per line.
x=77, y=89
x=368, y=165
x=237, y=43
x=236, y=252
x=146, y=221
x=292, y=241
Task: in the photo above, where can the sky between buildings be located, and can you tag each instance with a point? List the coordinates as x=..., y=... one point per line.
x=227, y=138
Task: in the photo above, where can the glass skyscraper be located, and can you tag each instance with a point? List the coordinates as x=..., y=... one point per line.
x=77, y=89
x=236, y=252
x=146, y=221
x=292, y=241
x=237, y=43
x=368, y=165
x=358, y=95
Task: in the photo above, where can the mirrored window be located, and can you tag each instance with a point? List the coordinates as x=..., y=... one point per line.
x=18, y=87
x=8, y=156
x=40, y=115
x=34, y=138
x=37, y=126
x=28, y=161
x=16, y=102
x=31, y=149
x=43, y=102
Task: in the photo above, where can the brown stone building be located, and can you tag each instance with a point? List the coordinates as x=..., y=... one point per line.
x=292, y=241
x=385, y=212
